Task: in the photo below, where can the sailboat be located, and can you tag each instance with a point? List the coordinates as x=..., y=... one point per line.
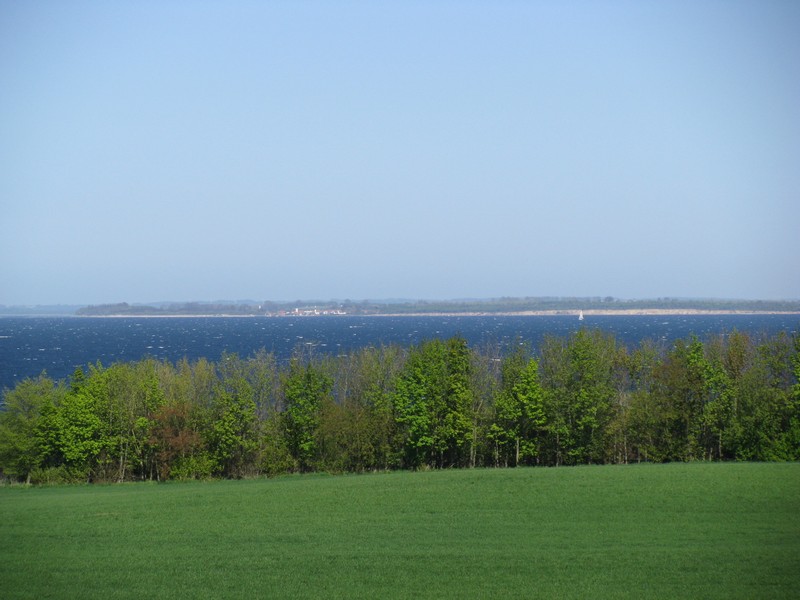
x=580, y=315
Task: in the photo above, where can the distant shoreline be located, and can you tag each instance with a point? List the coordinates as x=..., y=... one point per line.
x=645, y=312
x=622, y=312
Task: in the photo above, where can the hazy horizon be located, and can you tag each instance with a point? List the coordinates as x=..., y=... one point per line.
x=322, y=300
x=413, y=150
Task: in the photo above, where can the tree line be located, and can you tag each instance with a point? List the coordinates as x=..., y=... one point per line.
x=581, y=399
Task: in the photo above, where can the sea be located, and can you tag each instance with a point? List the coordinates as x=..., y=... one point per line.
x=59, y=345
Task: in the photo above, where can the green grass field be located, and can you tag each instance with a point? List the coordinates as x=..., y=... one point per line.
x=644, y=531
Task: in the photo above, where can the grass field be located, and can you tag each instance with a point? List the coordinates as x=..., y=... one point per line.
x=644, y=531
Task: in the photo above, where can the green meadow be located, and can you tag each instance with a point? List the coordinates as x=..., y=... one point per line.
x=698, y=530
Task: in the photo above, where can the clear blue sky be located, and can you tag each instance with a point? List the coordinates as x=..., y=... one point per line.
x=314, y=150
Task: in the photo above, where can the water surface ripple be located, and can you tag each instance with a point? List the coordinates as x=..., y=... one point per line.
x=58, y=345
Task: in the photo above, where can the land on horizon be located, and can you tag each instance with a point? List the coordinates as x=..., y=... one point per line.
x=533, y=306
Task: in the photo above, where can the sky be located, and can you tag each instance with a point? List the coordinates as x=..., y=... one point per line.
x=175, y=150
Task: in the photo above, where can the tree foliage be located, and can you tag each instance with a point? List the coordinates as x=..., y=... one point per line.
x=520, y=419
x=432, y=401
x=577, y=400
x=305, y=388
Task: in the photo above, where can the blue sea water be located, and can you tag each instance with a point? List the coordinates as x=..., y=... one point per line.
x=58, y=345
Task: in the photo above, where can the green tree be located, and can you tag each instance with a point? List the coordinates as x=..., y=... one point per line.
x=719, y=407
x=520, y=417
x=175, y=435
x=21, y=449
x=414, y=394
x=791, y=413
x=486, y=375
x=454, y=433
x=78, y=433
x=432, y=402
x=640, y=419
x=763, y=392
x=377, y=370
x=233, y=431
x=579, y=379
x=677, y=398
x=127, y=397
x=305, y=387
x=356, y=431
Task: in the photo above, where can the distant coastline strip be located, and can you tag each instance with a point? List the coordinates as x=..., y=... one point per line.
x=646, y=312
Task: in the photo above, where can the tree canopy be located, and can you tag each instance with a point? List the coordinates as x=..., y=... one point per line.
x=576, y=400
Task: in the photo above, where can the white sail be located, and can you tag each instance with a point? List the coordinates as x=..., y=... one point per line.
x=580, y=315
